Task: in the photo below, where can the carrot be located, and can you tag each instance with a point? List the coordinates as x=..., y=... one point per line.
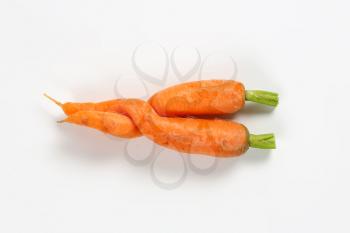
x=199, y=136
x=214, y=137
x=96, y=116
x=111, y=123
x=71, y=108
x=207, y=97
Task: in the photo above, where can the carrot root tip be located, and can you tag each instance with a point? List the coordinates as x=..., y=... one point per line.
x=262, y=141
x=53, y=100
x=262, y=97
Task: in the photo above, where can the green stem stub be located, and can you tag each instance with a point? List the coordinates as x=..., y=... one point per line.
x=262, y=141
x=262, y=97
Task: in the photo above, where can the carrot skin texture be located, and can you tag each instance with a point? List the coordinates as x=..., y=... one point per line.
x=198, y=136
x=206, y=97
x=111, y=123
x=73, y=107
x=135, y=118
x=214, y=137
x=130, y=118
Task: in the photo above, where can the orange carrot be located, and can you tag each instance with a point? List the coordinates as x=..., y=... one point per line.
x=71, y=108
x=111, y=123
x=207, y=97
x=199, y=136
x=96, y=116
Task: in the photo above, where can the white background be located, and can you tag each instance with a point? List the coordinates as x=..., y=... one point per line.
x=63, y=178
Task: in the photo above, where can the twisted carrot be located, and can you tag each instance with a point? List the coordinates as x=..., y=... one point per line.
x=132, y=117
x=207, y=97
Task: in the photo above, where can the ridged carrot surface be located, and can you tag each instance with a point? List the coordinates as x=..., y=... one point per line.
x=207, y=97
x=130, y=118
x=198, y=136
x=111, y=123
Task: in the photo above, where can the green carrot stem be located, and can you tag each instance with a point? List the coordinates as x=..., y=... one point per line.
x=262, y=141
x=262, y=97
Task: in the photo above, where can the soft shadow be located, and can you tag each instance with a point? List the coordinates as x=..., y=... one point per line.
x=225, y=166
x=251, y=157
x=256, y=156
x=88, y=144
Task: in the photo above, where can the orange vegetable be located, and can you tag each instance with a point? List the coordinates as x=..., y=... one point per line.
x=87, y=114
x=199, y=136
x=111, y=123
x=207, y=97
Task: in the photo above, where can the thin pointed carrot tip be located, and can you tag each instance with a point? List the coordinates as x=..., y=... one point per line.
x=53, y=100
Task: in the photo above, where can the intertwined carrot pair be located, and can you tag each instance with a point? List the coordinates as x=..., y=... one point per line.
x=164, y=118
